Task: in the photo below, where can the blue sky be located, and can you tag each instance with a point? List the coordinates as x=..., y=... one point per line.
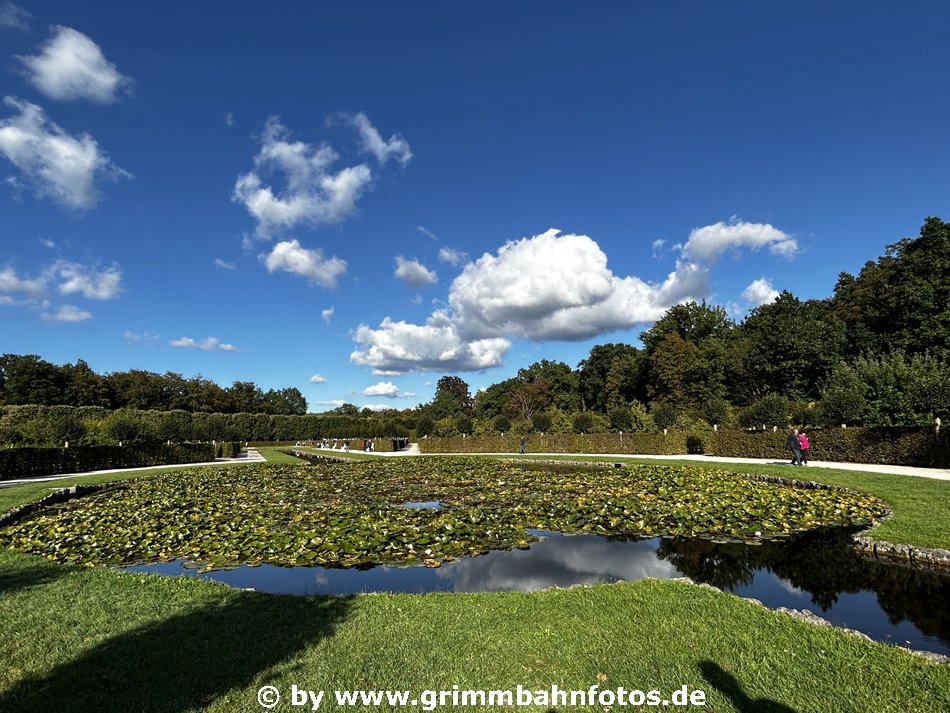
x=358, y=198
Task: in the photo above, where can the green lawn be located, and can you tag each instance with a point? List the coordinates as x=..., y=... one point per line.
x=79, y=638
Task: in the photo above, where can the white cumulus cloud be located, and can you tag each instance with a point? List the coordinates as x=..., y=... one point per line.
x=709, y=243
x=555, y=286
x=399, y=347
x=89, y=282
x=317, y=379
x=311, y=193
x=53, y=163
x=31, y=287
x=759, y=292
x=371, y=141
x=414, y=273
x=72, y=66
x=383, y=388
x=327, y=314
x=289, y=256
x=207, y=344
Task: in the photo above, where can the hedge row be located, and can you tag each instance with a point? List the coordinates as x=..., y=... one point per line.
x=920, y=447
x=381, y=445
x=36, y=462
x=227, y=449
x=627, y=443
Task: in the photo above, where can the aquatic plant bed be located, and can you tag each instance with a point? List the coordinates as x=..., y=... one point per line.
x=349, y=514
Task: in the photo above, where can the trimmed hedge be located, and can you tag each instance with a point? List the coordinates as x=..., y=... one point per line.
x=227, y=449
x=911, y=446
x=626, y=443
x=37, y=462
x=380, y=445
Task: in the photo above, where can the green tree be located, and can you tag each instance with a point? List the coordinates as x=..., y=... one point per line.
x=593, y=375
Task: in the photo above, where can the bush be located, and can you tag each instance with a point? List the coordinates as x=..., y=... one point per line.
x=502, y=424
x=541, y=421
x=582, y=422
x=664, y=414
x=770, y=410
x=626, y=443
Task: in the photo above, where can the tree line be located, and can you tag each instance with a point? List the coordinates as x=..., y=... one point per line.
x=28, y=379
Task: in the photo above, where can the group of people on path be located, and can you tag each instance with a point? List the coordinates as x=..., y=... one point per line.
x=798, y=444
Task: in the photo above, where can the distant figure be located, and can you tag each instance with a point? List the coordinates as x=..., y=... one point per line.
x=803, y=447
x=346, y=445
x=795, y=446
x=522, y=443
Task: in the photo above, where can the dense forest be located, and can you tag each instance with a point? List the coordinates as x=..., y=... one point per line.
x=876, y=352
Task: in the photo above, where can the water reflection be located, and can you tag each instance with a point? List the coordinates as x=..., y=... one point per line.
x=818, y=571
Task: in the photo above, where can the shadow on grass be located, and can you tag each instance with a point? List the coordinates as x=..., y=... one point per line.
x=13, y=579
x=727, y=685
x=184, y=662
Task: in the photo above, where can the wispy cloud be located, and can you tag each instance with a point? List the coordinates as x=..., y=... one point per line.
x=327, y=314
x=53, y=163
x=452, y=257
x=67, y=313
x=207, y=344
x=224, y=265
x=428, y=233
x=14, y=16
x=147, y=338
x=371, y=142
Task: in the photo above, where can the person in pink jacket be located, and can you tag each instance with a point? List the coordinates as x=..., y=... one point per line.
x=803, y=441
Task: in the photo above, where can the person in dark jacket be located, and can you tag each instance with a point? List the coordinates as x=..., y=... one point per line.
x=795, y=446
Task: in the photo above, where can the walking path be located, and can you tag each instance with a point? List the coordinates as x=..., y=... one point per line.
x=254, y=456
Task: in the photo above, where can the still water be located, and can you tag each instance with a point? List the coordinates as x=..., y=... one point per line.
x=816, y=571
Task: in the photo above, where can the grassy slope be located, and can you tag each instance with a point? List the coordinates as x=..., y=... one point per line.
x=105, y=641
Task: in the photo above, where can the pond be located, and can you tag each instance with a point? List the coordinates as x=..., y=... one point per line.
x=817, y=571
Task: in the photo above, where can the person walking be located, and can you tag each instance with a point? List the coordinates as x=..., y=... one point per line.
x=522, y=443
x=795, y=446
x=803, y=447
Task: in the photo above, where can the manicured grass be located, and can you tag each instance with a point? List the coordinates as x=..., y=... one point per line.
x=90, y=639
x=272, y=455
x=921, y=505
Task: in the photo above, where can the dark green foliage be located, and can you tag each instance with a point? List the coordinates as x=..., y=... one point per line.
x=502, y=423
x=424, y=425
x=227, y=449
x=664, y=414
x=716, y=410
x=771, y=410
x=901, y=301
x=609, y=371
x=582, y=422
x=35, y=462
x=541, y=421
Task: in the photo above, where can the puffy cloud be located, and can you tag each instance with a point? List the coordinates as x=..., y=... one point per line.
x=327, y=314
x=452, y=257
x=72, y=66
x=92, y=284
x=67, y=313
x=335, y=403
x=312, y=193
x=371, y=142
x=207, y=344
x=398, y=348
x=47, y=243
x=707, y=244
x=377, y=407
x=55, y=164
x=289, y=256
x=14, y=17
x=224, y=265
x=554, y=286
x=759, y=292
x=414, y=273
x=383, y=388
x=317, y=379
